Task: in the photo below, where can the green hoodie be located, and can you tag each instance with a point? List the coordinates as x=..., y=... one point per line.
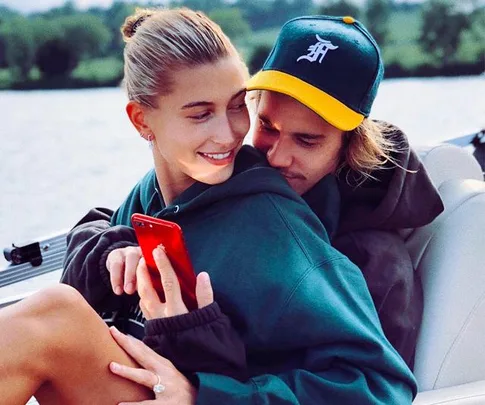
x=303, y=309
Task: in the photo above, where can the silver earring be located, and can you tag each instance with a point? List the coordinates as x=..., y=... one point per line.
x=150, y=141
x=149, y=138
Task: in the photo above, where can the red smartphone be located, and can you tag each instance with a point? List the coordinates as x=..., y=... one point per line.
x=152, y=232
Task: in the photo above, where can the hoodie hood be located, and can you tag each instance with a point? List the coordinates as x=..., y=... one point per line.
x=400, y=196
x=252, y=175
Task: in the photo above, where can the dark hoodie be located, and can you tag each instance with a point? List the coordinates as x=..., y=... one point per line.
x=370, y=216
x=302, y=309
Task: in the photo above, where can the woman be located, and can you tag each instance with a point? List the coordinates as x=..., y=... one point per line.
x=275, y=272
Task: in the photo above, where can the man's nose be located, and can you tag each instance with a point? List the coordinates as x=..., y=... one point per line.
x=278, y=155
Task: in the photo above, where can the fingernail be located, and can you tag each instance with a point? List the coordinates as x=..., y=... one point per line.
x=118, y=290
x=129, y=288
x=114, y=330
x=156, y=251
x=114, y=366
x=205, y=277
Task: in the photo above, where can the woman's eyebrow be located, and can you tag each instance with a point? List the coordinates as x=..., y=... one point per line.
x=196, y=104
x=209, y=103
x=240, y=92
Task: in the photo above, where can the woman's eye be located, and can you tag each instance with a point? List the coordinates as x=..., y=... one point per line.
x=238, y=107
x=201, y=116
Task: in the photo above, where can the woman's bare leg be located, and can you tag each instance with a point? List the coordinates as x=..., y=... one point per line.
x=55, y=346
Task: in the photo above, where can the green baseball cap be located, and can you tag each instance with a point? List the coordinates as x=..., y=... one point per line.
x=330, y=64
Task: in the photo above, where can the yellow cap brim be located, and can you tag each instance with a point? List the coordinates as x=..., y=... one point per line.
x=329, y=108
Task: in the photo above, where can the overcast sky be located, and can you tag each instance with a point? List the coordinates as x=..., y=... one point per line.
x=42, y=5
x=28, y=6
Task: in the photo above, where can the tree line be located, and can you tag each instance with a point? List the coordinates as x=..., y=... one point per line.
x=55, y=42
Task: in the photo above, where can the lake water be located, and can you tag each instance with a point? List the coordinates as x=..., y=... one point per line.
x=63, y=152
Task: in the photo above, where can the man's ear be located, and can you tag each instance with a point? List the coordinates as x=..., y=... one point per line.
x=138, y=117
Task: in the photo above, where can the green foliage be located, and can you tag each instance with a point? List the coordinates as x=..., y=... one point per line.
x=279, y=11
x=377, y=16
x=284, y=10
x=56, y=44
x=19, y=46
x=340, y=8
x=7, y=13
x=406, y=54
x=68, y=8
x=5, y=78
x=99, y=70
x=90, y=37
x=301, y=7
x=257, y=13
x=3, y=49
x=477, y=30
x=404, y=26
x=45, y=30
x=263, y=37
x=442, y=27
x=200, y=5
x=54, y=58
x=232, y=22
x=258, y=57
x=85, y=34
x=114, y=17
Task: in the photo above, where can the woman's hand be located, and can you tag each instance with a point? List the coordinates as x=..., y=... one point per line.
x=150, y=303
x=173, y=387
x=122, y=265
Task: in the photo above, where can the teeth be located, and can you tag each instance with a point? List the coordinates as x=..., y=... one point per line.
x=217, y=156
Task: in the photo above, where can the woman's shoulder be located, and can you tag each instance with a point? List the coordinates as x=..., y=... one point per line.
x=247, y=158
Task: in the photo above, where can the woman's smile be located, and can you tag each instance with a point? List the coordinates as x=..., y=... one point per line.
x=219, y=158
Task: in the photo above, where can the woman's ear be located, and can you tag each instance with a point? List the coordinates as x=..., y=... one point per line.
x=138, y=117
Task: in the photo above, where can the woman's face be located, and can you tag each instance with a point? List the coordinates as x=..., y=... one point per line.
x=200, y=126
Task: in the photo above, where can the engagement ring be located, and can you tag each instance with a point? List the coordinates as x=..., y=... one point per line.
x=158, y=388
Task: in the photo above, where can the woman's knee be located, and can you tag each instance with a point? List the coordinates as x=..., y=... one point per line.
x=54, y=312
x=57, y=299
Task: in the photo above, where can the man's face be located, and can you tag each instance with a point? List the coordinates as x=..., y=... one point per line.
x=296, y=140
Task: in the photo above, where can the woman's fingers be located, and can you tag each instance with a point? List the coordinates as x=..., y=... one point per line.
x=121, y=264
x=150, y=303
x=116, y=267
x=132, y=257
x=138, y=375
x=139, y=351
x=170, y=283
x=177, y=388
x=203, y=290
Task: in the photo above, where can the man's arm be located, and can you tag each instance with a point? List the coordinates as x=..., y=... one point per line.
x=344, y=359
x=393, y=283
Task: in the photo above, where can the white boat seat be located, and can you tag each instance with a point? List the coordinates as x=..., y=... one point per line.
x=447, y=162
x=449, y=253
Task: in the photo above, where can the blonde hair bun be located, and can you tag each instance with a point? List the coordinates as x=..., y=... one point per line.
x=133, y=22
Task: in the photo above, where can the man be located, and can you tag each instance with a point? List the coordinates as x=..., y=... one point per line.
x=314, y=95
